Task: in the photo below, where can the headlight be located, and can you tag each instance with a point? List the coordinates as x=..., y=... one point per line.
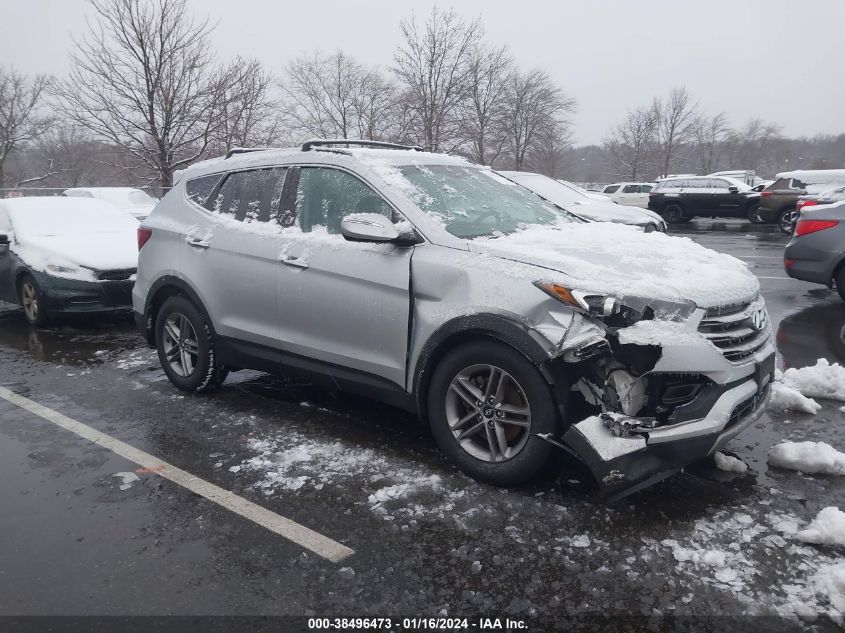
x=58, y=268
x=618, y=311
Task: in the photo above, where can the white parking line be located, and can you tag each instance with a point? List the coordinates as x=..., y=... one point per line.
x=299, y=534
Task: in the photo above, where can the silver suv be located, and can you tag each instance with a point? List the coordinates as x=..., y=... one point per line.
x=515, y=329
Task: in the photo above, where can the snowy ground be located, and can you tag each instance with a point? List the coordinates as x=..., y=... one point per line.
x=760, y=532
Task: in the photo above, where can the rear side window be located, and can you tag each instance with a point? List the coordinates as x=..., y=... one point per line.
x=4, y=222
x=645, y=188
x=630, y=189
x=199, y=189
x=611, y=189
x=250, y=195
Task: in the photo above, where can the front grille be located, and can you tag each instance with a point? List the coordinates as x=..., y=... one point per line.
x=116, y=275
x=737, y=329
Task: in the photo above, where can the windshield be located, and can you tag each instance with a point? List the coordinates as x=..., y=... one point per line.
x=552, y=190
x=472, y=202
x=78, y=218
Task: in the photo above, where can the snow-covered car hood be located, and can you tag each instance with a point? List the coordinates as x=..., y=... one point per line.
x=612, y=212
x=96, y=251
x=623, y=261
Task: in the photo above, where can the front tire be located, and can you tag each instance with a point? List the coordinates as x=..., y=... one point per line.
x=753, y=216
x=787, y=220
x=32, y=300
x=185, y=345
x=486, y=405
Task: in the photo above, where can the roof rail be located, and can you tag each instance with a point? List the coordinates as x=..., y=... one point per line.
x=246, y=150
x=322, y=142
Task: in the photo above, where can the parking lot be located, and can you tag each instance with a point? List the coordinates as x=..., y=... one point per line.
x=97, y=534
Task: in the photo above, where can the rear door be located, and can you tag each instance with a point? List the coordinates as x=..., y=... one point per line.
x=340, y=302
x=231, y=255
x=697, y=196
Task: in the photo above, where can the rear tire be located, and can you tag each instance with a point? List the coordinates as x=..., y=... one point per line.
x=787, y=219
x=32, y=300
x=496, y=441
x=674, y=214
x=840, y=281
x=752, y=214
x=185, y=345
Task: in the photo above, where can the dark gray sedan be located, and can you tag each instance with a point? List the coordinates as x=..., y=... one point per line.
x=816, y=251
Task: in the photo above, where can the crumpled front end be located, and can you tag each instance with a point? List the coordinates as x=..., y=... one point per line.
x=667, y=391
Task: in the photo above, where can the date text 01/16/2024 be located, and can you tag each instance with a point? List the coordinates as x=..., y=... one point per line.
x=416, y=624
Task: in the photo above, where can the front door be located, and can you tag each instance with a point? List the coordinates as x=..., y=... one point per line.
x=340, y=302
x=730, y=203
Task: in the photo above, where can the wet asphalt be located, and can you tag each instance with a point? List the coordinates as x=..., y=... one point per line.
x=77, y=538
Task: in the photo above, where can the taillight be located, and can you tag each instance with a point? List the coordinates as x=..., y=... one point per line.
x=812, y=226
x=765, y=194
x=143, y=236
x=788, y=263
x=806, y=203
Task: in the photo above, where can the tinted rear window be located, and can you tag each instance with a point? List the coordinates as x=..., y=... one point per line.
x=250, y=195
x=611, y=189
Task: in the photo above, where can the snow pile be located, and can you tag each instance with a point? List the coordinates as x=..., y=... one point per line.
x=822, y=380
x=622, y=260
x=808, y=457
x=659, y=332
x=828, y=528
x=788, y=399
x=829, y=581
x=380, y=499
x=730, y=463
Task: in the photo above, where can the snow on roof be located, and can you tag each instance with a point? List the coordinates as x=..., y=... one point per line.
x=267, y=157
x=57, y=215
x=815, y=176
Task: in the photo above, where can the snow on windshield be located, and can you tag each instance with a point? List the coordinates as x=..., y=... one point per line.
x=471, y=202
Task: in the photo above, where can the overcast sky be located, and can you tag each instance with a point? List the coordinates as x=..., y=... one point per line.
x=780, y=60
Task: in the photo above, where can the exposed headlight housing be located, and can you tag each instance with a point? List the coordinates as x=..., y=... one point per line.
x=615, y=311
x=59, y=268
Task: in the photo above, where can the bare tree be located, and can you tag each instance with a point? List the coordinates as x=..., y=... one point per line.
x=249, y=115
x=533, y=103
x=145, y=79
x=549, y=153
x=677, y=119
x=710, y=135
x=337, y=96
x=483, y=109
x=432, y=65
x=21, y=119
x=631, y=144
x=752, y=146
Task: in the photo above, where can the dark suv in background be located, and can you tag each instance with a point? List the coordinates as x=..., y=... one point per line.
x=681, y=199
x=779, y=201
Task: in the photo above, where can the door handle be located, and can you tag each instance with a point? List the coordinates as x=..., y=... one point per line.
x=293, y=261
x=197, y=242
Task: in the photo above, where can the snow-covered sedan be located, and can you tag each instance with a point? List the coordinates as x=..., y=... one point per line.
x=64, y=255
x=583, y=206
x=634, y=194
x=136, y=202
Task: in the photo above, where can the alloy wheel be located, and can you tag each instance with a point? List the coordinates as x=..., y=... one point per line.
x=30, y=301
x=180, y=344
x=787, y=221
x=488, y=413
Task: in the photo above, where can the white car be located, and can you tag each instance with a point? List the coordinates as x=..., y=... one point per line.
x=585, y=206
x=633, y=194
x=60, y=256
x=135, y=201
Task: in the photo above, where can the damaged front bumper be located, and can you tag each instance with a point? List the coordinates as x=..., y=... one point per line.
x=690, y=401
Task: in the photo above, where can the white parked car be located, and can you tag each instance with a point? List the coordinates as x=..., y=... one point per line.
x=633, y=194
x=136, y=201
x=585, y=206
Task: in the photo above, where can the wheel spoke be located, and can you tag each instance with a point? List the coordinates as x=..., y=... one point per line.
x=493, y=443
x=513, y=422
x=462, y=387
x=191, y=346
x=187, y=365
x=172, y=353
x=473, y=430
x=171, y=330
x=514, y=409
x=501, y=439
x=463, y=421
x=493, y=379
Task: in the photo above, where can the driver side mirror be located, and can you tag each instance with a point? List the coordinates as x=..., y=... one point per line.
x=368, y=227
x=733, y=189
x=4, y=242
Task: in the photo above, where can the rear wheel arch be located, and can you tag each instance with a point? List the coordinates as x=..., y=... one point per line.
x=161, y=290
